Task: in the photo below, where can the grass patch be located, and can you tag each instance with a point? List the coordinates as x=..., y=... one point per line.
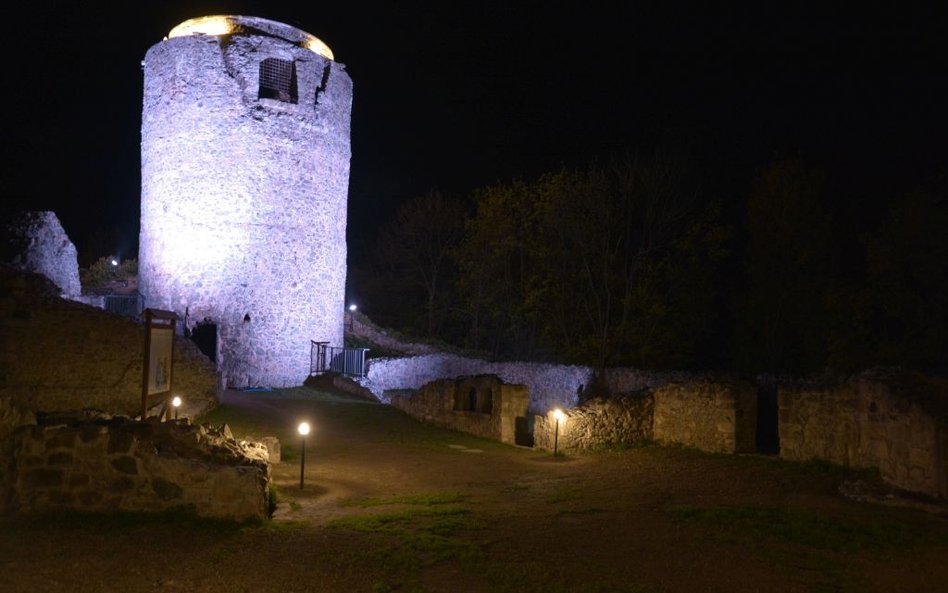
x=563, y=495
x=434, y=520
x=421, y=535
x=584, y=511
x=752, y=525
x=439, y=498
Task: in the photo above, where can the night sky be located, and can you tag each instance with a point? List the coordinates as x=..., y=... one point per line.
x=456, y=96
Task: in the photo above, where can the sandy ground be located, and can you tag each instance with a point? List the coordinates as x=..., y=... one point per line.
x=390, y=504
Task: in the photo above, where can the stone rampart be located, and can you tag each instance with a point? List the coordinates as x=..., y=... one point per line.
x=712, y=415
x=597, y=423
x=57, y=354
x=716, y=415
x=891, y=420
x=551, y=385
x=98, y=463
x=483, y=406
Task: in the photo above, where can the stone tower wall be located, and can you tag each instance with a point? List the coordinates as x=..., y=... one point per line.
x=243, y=215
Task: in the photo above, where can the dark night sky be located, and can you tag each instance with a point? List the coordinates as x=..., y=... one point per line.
x=456, y=96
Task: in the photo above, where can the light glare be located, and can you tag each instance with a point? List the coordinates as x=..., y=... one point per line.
x=303, y=428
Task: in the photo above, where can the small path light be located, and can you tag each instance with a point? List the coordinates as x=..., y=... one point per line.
x=557, y=415
x=114, y=262
x=303, y=430
x=353, y=307
x=176, y=402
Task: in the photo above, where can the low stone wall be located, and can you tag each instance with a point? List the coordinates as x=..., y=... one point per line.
x=98, y=463
x=718, y=416
x=482, y=405
x=596, y=423
x=57, y=354
x=10, y=418
x=549, y=385
x=887, y=419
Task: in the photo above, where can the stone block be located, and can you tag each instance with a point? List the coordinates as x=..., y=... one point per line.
x=125, y=465
x=43, y=478
x=166, y=490
x=120, y=441
x=273, y=448
x=59, y=459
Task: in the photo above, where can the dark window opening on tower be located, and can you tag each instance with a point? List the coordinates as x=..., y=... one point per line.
x=278, y=80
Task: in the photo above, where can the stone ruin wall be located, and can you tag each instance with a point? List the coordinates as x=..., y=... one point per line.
x=11, y=417
x=551, y=385
x=36, y=242
x=712, y=415
x=716, y=416
x=890, y=420
x=244, y=199
x=597, y=423
x=57, y=355
x=98, y=463
x=483, y=406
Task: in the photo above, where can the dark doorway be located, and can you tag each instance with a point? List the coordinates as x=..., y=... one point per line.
x=204, y=336
x=768, y=437
x=523, y=430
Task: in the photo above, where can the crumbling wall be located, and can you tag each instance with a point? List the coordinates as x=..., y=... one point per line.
x=483, y=406
x=10, y=418
x=57, y=354
x=712, y=415
x=99, y=463
x=887, y=419
x=551, y=385
x=716, y=415
x=597, y=423
x=37, y=242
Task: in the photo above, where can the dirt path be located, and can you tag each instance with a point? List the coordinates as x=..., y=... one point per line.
x=390, y=504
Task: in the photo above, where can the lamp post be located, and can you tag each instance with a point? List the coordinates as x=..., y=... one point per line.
x=176, y=403
x=557, y=416
x=303, y=430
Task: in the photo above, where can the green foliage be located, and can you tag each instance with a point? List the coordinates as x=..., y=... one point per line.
x=101, y=273
x=413, y=263
x=788, y=269
x=898, y=314
x=612, y=265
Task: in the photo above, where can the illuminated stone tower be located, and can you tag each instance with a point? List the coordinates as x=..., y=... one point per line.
x=245, y=175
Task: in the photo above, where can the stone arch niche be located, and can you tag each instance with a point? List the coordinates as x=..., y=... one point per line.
x=244, y=189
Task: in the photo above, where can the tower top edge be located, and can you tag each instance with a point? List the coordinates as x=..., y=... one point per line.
x=235, y=24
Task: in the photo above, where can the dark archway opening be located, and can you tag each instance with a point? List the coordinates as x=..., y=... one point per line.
x=768, y=436
x=204, y=336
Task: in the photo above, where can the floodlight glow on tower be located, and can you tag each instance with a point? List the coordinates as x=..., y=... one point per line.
x=245, y=179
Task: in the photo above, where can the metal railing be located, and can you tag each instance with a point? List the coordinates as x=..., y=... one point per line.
x=345, y=361
x=130, y=305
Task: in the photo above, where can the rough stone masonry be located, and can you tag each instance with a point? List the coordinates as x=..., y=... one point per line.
x=245, y=175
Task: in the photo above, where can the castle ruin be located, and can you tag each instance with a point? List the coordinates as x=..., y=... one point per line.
x=245, y=174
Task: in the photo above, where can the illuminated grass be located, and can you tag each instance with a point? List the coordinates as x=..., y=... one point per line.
x=417, y=500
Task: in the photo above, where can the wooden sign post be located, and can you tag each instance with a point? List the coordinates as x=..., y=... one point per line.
x=159, y=356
